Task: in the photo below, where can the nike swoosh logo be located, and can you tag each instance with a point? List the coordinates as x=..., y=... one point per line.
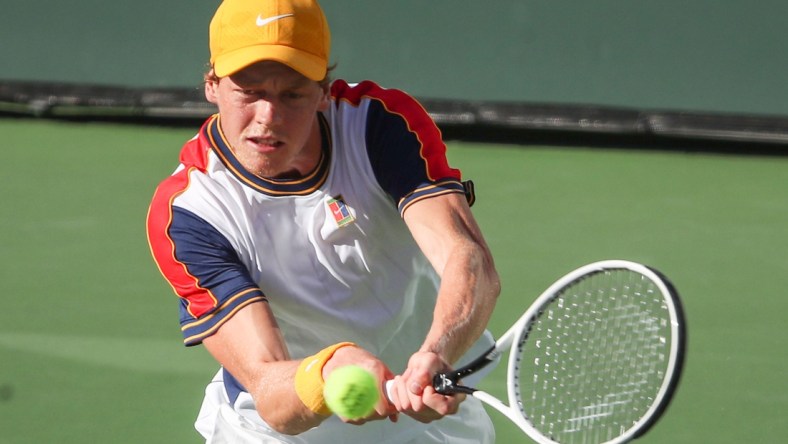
x=264, y=21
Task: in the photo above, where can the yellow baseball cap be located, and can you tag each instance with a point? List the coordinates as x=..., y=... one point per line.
x=293, y=32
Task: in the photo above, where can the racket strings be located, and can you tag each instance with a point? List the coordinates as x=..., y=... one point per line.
x=595, y=357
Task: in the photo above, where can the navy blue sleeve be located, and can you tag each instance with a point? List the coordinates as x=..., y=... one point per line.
x=222, y=282
x=407, y=152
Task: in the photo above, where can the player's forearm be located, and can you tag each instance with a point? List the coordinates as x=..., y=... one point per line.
x=250, y=346
x=272, y=387
x=291, y=414
x=277, y=402
x=469, y=288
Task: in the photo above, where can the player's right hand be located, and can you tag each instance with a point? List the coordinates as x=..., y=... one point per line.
x=413, y=394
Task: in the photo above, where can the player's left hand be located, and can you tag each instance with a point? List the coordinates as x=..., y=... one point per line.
x=412, y=392
x=355, y=355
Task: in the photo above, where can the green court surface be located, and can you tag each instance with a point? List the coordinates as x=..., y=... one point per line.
x=90, y=349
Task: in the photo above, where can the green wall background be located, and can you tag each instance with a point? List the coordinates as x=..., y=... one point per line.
x=703, y=55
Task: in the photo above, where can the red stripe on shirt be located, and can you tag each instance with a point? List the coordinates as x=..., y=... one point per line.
x=199, y=300
x=419, y=122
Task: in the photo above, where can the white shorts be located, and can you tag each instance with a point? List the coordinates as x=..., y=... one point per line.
x=219, y=423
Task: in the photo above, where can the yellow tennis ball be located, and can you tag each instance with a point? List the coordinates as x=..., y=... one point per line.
x=351, y=392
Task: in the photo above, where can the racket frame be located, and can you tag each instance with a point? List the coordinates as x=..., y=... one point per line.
x=510, y=341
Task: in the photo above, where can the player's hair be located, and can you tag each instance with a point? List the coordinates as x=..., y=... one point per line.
x=210, y=76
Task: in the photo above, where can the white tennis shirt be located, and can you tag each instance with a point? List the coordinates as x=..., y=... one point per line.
x=329, y=252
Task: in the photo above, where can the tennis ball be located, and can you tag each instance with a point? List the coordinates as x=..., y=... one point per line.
x=351, y=392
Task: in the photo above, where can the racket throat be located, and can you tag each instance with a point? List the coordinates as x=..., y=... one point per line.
x=447, y=384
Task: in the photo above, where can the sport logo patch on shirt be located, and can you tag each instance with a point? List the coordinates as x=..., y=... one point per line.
x=340, y=211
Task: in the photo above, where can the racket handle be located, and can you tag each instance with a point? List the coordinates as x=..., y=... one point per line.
x=390, y=383
x=438, y=382
x=387, y=388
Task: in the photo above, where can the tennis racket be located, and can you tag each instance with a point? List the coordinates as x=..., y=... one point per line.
x=595, y=359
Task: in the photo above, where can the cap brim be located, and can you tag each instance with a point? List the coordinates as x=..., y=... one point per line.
x=310, y=66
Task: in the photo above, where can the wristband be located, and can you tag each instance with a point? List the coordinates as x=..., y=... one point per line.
x=309, y=379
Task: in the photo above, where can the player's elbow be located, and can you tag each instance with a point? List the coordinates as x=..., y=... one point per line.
x=491, y=281
x=289, y=421
x=291, y=426
x=494, y=284
x=289, y=429
x=492, y=290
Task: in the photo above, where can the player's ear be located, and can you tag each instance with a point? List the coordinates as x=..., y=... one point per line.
x=325, y=97
x=211, y=86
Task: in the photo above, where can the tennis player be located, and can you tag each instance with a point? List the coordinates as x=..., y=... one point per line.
x=313, y=224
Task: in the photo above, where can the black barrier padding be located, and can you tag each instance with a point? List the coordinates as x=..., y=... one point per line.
x=73, y=100
x=519, y=123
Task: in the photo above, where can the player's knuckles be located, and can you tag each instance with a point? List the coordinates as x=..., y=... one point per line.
x=415, y=403
x=426, y=415
x=403, y=402
x=418, y=381
x=453, y=408
x=442, y=409
x=443, y=405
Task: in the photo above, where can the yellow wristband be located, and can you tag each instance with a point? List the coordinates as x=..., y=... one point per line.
x=309, y=379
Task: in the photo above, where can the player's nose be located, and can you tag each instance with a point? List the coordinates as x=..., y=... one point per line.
x=267, y=112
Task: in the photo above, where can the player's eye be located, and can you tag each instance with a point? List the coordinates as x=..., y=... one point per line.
x=293, y=95
x=250, y=92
